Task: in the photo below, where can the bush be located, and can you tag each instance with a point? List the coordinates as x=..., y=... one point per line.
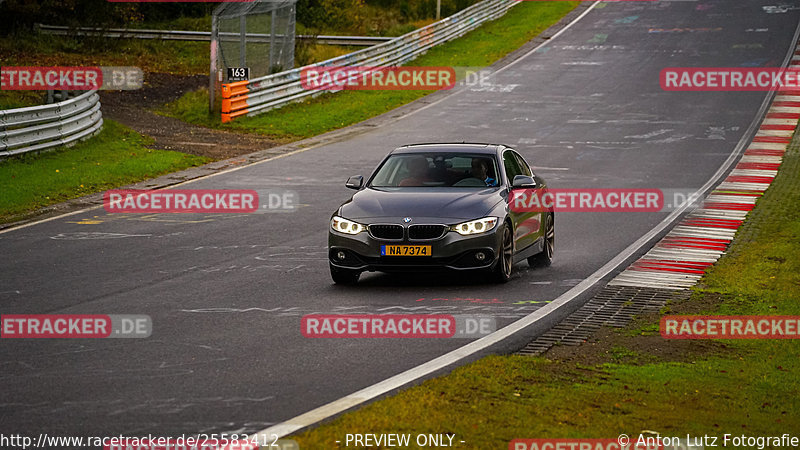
x=370, y=17
x=329, y=14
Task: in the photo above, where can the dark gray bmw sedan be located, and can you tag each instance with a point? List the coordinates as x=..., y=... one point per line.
x=440, y=206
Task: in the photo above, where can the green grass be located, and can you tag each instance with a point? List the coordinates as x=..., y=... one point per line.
x=327, y=112
x=116, y=157
x=639, y=381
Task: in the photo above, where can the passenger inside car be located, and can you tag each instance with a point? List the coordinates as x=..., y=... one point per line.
x=418, y=168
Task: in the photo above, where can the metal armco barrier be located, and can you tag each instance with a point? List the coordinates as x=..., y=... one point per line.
x=37, y=128
x=272, y=91
x=198, y=36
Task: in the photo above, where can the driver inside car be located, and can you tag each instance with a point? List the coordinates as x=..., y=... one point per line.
x=480, y=170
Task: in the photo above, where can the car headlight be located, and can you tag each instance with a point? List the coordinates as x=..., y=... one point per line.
x=343, y=225
x=475, y=226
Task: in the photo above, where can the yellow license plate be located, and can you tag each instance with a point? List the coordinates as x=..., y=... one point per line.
x=405, y=250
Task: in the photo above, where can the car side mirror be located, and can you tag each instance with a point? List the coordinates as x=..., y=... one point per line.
x=523, y=181
x=355, y=182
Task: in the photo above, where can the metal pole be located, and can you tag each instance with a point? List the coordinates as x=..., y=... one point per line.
x=438, y=9
x=290, y=34
x=271, y=42
x=212, y=71
x=243, y=41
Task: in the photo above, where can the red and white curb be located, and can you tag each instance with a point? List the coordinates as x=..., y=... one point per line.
x=679, y=260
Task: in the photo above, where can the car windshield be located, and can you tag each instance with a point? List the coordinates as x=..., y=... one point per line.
x=437, y=170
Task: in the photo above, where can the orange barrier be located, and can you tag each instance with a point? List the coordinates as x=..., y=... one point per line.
x=234, y=100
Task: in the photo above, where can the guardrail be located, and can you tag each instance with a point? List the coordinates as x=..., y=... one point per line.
x=201, y=36
x=264, y=93
x=37, y=128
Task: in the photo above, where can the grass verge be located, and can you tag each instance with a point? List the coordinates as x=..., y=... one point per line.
x=632, y=380
x=327, y=112
x=116, y=157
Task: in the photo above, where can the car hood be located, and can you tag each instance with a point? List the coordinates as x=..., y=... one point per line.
x=421, y=204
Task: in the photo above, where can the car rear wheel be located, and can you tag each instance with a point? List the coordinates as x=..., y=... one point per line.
x=502, y=272
x=545, y=257
x=344, y=276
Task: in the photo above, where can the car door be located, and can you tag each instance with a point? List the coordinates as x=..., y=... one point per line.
x=524, y=232
x=533, y=222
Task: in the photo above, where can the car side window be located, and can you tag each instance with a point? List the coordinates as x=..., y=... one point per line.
x=526, y=169
x=511, y=166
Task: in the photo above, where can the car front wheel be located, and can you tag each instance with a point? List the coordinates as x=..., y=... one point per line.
x=344, y=276
x=502, y=271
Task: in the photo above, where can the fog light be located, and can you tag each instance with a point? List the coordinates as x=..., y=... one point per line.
x=480, y=256
x=341, y=255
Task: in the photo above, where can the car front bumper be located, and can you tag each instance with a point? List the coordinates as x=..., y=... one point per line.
x=452, y=251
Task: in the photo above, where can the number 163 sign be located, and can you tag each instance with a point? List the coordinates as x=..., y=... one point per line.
x=238, y=73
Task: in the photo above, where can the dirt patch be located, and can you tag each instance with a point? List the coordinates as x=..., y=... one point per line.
x=624, y=345
x=135, y=110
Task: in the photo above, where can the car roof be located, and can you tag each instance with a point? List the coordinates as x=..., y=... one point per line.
x=450, y=147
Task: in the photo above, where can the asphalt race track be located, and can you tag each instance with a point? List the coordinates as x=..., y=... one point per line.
x=226, y=292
